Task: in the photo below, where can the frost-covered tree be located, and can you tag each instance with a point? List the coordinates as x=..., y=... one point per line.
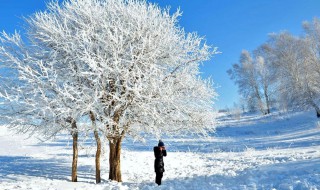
x=251, y=76
x=295, y=71
x=125, y=64
x=266, y=75
x=283, y=49
x=37, y=97
x=285, y=69
x=312, y=39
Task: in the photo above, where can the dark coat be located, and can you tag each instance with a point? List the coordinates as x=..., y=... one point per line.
x=158, y=163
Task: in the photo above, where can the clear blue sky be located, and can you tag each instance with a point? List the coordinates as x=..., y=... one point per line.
x=230, y=25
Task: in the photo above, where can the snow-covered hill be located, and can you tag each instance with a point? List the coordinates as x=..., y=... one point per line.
x=279, y=151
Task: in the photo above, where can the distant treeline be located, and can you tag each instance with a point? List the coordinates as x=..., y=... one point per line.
x=282, y=73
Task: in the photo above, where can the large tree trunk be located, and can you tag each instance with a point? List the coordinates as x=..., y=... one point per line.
x=98, y=155
x=114, y=158
x=75, y=151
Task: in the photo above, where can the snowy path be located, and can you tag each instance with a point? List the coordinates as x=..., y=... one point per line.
x=271, y=152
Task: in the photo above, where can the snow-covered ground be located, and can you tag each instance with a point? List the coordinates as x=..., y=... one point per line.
x=279, y=151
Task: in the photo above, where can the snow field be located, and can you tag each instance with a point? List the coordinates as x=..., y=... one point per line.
x=278, y=152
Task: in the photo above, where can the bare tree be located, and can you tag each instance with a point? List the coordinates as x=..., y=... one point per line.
x=125, y=62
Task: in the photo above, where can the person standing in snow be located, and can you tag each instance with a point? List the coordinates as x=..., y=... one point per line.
x=159, y=152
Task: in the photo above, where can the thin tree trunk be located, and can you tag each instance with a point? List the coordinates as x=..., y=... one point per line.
x=114, y=158
x=260, y=102
x=98, y=152
x=74, y=177
x=312, y=102
x=98, y=155
x=316, y=107
x=267, y=100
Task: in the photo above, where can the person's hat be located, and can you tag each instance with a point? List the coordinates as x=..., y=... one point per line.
x=160, y=143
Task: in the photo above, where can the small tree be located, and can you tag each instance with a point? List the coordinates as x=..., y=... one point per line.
x=126, y=64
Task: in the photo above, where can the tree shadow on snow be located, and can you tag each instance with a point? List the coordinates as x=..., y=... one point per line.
x=13, y=166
